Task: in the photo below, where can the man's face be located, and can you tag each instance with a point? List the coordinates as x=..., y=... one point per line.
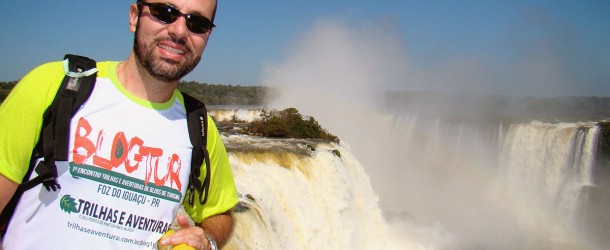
x=169, y=51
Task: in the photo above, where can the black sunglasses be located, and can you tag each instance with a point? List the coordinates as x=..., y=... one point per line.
x=167, y=14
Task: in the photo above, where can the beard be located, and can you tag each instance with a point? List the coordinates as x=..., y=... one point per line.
x=163, y=69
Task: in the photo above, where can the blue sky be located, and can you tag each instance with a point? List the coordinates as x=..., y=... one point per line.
x=524, y=47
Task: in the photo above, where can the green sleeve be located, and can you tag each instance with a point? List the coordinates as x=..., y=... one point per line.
x=222, y=194
x=21, y=118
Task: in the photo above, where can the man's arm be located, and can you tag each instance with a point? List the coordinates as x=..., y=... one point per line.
x=219, y=227
x=7, y=189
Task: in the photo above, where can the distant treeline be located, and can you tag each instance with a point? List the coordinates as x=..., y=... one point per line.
x=5, y=88
x=508, y=108
x=211, y=94
x=216, y=94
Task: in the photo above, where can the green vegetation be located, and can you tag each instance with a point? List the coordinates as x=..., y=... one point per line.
x=5, y=88
x=288, y=123
x=336, y=153
x=213, y=94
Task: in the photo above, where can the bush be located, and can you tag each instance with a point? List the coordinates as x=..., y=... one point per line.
x=288, y=123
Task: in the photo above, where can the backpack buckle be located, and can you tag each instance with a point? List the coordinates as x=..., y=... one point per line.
x=48, y=176
x=51, y=183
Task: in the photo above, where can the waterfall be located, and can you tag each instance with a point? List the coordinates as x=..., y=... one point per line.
x=550, y=166
x=554, y=159
x=435, y=183
x=239, y=114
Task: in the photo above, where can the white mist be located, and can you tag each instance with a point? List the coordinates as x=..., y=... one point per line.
x=338, y=74
x=438, y=179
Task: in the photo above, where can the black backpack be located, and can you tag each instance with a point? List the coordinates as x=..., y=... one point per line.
x=52, y=145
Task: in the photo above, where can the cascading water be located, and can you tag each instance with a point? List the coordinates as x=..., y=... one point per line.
x=550, y=166
x=246, y=115
x=302, y=194
x=489, y=188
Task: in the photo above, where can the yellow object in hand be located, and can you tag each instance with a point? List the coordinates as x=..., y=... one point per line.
x=182, y=246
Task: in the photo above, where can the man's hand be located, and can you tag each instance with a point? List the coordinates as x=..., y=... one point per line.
x=193, y=236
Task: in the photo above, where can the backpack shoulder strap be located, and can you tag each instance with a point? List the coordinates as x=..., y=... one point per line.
x=75, y=89
x=77, y=86
x=197, y=120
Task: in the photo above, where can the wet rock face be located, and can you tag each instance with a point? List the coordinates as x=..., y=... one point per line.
x=256, y=144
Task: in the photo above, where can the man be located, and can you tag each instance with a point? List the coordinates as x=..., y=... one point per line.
x=120, y=198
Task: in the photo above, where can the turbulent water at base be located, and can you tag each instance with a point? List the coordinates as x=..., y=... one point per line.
x=429, y=184
x=301, y=194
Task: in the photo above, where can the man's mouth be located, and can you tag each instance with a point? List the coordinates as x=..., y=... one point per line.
x=172, y=50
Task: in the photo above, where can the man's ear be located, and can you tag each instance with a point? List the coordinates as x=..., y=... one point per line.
x=134, y=14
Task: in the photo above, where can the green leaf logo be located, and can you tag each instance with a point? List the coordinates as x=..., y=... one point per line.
x=67, y=204
x=119, y=149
